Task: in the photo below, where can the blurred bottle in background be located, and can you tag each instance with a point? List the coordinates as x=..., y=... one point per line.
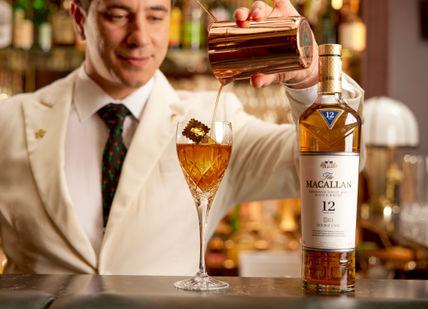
x=352, y=36
x=62, y=25
x=175, y=25
x=352, y=30
x=22, y=24
x=42, y=27
x=5, y=24
x=194, y=31
x=326, y=32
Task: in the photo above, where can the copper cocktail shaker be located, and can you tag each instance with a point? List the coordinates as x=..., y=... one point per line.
x=273, y=45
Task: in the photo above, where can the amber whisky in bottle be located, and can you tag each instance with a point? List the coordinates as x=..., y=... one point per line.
x=329, y=140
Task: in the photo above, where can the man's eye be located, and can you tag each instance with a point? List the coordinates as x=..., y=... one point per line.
x=117, y=15
x=155, y=18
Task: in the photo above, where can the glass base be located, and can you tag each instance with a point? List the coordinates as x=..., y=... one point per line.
x=201, y=283
x=327, y=288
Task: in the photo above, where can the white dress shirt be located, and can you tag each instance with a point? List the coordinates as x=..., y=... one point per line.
x=86, y=137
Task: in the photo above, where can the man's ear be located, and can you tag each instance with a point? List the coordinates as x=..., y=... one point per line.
x=78, y=16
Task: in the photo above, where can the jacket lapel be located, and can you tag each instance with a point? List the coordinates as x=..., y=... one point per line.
x=155, y=131
x=46, y=123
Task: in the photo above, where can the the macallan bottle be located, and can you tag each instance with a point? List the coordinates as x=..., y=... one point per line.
x=329, y=136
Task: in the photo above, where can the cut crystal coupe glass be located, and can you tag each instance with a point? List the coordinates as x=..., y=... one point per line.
x=204, y=150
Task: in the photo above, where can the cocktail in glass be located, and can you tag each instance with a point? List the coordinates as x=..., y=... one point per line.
x=204, y=151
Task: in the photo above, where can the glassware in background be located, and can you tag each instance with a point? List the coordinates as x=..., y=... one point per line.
x=3, y=260
x=204, y=158
x=413, y=183
x=414, y=198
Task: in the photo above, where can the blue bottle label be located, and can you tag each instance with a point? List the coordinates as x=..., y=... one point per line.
x=330, y=116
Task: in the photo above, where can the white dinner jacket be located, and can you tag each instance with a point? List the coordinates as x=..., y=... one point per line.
x=152, y=228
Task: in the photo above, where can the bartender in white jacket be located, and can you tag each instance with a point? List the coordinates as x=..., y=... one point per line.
x=52, y=142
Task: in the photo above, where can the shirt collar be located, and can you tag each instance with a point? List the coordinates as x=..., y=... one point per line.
x=89, y=97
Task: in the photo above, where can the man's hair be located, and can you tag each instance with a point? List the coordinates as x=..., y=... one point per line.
x=85, y=4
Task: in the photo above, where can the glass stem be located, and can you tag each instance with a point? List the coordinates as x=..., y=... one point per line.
x=202, y=216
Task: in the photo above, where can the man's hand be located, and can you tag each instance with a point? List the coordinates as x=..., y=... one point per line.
x=282, y=8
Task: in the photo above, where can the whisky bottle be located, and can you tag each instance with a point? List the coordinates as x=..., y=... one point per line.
x=329, y=137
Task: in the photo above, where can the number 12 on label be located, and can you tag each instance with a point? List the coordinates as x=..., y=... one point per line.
x=328, y=206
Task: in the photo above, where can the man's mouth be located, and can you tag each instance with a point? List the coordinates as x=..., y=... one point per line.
x=137, y=61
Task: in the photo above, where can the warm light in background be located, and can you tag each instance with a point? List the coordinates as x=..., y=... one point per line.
x=3, y=96
x=336, y=4
x=352, y=36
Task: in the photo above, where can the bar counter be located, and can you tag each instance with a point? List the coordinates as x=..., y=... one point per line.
x=94, y=291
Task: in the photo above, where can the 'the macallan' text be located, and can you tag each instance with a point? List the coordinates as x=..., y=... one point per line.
x=328, y=184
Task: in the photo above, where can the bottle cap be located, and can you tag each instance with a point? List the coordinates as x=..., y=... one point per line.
x=330, y=50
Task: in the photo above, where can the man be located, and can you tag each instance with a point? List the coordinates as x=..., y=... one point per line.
x=56, y=214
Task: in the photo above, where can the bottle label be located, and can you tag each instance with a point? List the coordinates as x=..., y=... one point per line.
x=329, y=189
x=330, y=116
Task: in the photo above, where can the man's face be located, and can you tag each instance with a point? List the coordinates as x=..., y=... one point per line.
x=126, y=42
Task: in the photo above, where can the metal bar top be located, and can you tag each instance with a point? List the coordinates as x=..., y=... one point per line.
x=80, y=291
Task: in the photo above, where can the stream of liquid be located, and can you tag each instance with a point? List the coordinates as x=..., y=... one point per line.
x=213, y=118
x=222, y=82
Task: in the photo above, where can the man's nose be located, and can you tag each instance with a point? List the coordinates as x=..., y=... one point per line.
x=138, y=33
